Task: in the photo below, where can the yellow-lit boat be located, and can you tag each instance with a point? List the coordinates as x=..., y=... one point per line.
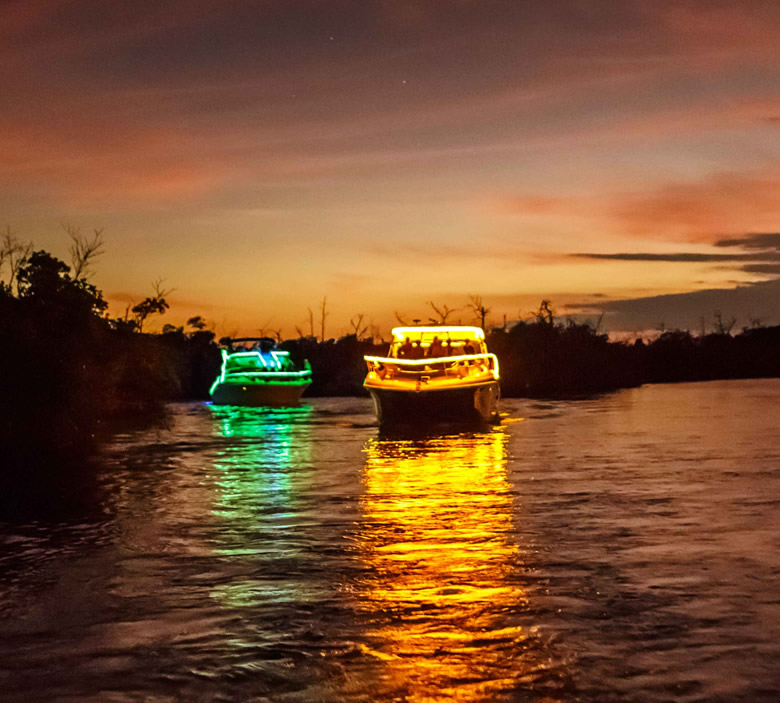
x=434, y=374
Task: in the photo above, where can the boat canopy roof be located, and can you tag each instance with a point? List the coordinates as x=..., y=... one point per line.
x=241, y=344
x=251, y=339
x=459, y=333
x=436, y=341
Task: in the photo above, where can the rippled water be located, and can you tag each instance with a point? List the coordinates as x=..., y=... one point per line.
x=623, y=548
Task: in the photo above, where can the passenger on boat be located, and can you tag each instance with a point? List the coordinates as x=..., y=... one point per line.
x=436, y=349
x=405, y=350
x=468, y=348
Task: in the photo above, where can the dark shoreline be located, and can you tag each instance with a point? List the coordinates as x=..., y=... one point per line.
x=71, y=373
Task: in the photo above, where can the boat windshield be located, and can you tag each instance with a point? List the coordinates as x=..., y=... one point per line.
x=255, y=354
x=249, y=344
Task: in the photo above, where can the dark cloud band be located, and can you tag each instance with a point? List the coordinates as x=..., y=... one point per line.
x=764, y=240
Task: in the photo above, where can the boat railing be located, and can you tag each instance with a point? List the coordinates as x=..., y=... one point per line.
x=449, y=367
x=278, y=362
x=234, y=373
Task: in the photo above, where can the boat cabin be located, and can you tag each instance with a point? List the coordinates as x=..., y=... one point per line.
x=436, y=342
x=433, y=357
x=258, y=354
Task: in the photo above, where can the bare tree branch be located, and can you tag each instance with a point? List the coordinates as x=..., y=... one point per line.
x=401, y=318
x=323, y=315
x=443, y=312
x=159, y=291
x=265, y=328
x=14, y=252
x=723, y=326
x=83, y=250
x=357, y=326
x=479, y=309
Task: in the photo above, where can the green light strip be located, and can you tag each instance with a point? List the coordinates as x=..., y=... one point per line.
x=262, y=382
x=294, y=378
x=275, y=374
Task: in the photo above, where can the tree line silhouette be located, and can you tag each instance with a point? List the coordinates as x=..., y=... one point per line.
x=547, y=357
x=68, y=370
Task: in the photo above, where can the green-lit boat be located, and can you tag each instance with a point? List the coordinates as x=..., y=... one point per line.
x=255, y=372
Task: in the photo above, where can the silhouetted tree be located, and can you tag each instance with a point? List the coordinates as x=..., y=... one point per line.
x=197, y=323
x=46, y=281
x=479, y=309
x=545, y=315
x=153, y=305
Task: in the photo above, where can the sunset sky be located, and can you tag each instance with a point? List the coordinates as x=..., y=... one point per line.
x=612, y=156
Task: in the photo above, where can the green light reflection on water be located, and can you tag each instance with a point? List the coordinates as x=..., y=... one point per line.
x=260, y=472
x=258, y=466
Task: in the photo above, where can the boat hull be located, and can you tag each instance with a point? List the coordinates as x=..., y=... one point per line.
x=257, y=395
x=472, y=404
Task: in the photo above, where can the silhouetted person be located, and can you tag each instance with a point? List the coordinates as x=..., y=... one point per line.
x=468, y=348
x=436, y=348
x=405, y=350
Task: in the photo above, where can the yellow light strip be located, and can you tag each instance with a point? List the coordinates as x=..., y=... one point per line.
x=401, y=332
x=434, y=360
x=429, y=360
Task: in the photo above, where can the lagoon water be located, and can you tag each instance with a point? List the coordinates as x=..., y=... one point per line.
x=619, y=548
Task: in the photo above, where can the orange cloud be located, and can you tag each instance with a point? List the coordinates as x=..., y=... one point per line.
x=703, y=211
x=130, y=165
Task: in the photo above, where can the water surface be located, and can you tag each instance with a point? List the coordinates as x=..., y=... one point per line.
x=621, y=548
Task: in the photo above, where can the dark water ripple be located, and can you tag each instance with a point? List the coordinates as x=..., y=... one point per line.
x=623, y=548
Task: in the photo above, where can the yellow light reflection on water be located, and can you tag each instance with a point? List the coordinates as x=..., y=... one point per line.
x=435, y=541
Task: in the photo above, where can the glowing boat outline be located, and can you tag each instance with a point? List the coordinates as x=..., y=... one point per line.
x=444, y=388
x=262, y=376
